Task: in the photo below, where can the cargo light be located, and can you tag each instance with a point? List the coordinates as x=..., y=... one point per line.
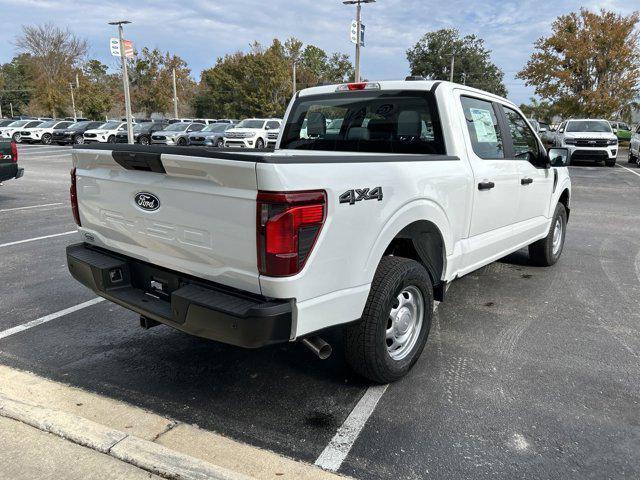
x=350, y=87
x=288, y=226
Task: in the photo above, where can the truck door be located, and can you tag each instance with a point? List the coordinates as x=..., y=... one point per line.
x=536, y=183
x=496, y=180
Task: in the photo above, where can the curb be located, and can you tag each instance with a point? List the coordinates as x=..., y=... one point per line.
x=146, y=455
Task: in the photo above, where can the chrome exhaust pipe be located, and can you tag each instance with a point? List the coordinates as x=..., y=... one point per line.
x=318, y=346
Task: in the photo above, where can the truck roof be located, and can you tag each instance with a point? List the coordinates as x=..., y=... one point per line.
x=423, y=85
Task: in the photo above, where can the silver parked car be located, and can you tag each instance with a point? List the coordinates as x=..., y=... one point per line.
x=176, y=133
x=210, y=136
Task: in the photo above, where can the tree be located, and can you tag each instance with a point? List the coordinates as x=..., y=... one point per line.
x=539, y=110
x=54, y=56
x=589, y=65
x=16, y=85
x=431, y=58
x=150, y=74
x=259, y=83
x=95, y=96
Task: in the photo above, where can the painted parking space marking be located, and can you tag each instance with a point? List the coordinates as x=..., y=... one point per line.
x=18, y=242
x=44, y=205
x=48, y=318
x=629, y=170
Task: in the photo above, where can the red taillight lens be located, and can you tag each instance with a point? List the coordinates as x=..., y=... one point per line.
x=288, y=226
x=14, y=151
x=357, y=86
x=73, y=195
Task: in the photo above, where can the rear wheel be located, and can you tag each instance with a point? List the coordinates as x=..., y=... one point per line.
x=547, y=251
x=390, y=336
x=46, y=139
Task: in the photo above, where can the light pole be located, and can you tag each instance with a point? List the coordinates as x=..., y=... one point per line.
x=73, y=103
x=295, y=87
x=358, y=4
x=453, y=64
x=125, y=78
x=175, y=96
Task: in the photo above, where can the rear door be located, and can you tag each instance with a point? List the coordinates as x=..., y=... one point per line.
x=497, y=186
x=193, y=214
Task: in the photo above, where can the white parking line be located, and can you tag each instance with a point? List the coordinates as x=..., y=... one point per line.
x=30, y=207
x=48, y=318
x=36, y=238
x=629, y=170
x=334, y=454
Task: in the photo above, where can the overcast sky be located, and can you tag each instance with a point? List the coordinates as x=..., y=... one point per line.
x=200, y=31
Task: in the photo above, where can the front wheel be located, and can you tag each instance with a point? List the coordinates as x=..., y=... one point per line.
x=182, y=142
x=16, y=137
x=610, y=163
x=632, y=158
x=111, y=139
x=144, y=140
x=259, y=143
x=547, y=251
x=220, y=143
x=78, y=139
x=393, y=330
x=46, y=139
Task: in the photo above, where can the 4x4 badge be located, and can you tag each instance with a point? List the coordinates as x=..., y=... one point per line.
x=359, y=194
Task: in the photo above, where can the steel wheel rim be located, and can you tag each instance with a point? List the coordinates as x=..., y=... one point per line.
x=404, y=323
x=557, y=236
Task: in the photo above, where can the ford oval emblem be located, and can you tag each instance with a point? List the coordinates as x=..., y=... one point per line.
x=147, y=201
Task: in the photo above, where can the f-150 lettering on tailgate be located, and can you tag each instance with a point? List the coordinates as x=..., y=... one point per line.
x=168, y=232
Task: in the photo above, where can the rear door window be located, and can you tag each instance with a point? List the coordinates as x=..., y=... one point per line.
x=366, y=121
x=483, y=128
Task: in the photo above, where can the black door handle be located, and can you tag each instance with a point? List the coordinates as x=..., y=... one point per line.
x=526, y=181
x=486, y=185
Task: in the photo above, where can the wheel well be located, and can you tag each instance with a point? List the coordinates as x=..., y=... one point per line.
x=421, y=241
x=564, y=199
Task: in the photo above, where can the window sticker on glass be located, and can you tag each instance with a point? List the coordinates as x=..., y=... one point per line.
x=483, y=123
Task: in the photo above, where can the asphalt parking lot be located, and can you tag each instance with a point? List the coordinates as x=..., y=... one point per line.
x=528, y=372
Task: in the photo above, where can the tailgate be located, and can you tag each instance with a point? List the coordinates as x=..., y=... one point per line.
x=8, y=166
x=193, y=213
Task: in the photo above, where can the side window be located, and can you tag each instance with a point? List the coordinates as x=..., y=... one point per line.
x=483, y=127
x=196, y=127
x=525, y=143
x=273, y=125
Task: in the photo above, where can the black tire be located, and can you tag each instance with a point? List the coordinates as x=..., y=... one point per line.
x=182, y=142
x=365, y=342
x=78, y=139
x=259, y=143
x=632, y=158
x=111, y=139
x=542, y=252
x=144, y=140
x=46, y=139
x=220, y=143
x=610, y=163
x=16, y=137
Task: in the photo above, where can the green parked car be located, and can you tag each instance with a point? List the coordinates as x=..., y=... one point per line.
x=622, y=130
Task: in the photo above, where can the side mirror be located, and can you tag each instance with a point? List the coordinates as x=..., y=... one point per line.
x=558, y=157
x=267, y=127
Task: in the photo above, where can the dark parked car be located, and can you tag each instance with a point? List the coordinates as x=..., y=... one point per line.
x=9, y=161
x=210, y=136
x=142, y=132
x=73, y=133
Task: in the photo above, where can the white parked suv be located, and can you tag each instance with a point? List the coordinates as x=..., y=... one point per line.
x=634, y=146
x=106, y=133
x=588, y=139
x=358, y=227
x=12, y=131
x=43, y=133
x=252, y=133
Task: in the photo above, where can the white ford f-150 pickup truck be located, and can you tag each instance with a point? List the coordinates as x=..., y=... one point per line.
x=360, y=227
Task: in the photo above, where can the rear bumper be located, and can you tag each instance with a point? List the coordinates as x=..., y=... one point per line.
x=9, y=171
x=197, y=307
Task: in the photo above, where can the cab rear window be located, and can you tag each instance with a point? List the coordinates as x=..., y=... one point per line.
x=365, y=121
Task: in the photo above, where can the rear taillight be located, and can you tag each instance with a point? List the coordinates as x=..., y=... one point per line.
x=288, y=226
x=14, y=151
x=73, y=195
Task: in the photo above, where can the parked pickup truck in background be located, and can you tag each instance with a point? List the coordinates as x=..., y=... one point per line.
x=358, y=227
x=9, y=161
